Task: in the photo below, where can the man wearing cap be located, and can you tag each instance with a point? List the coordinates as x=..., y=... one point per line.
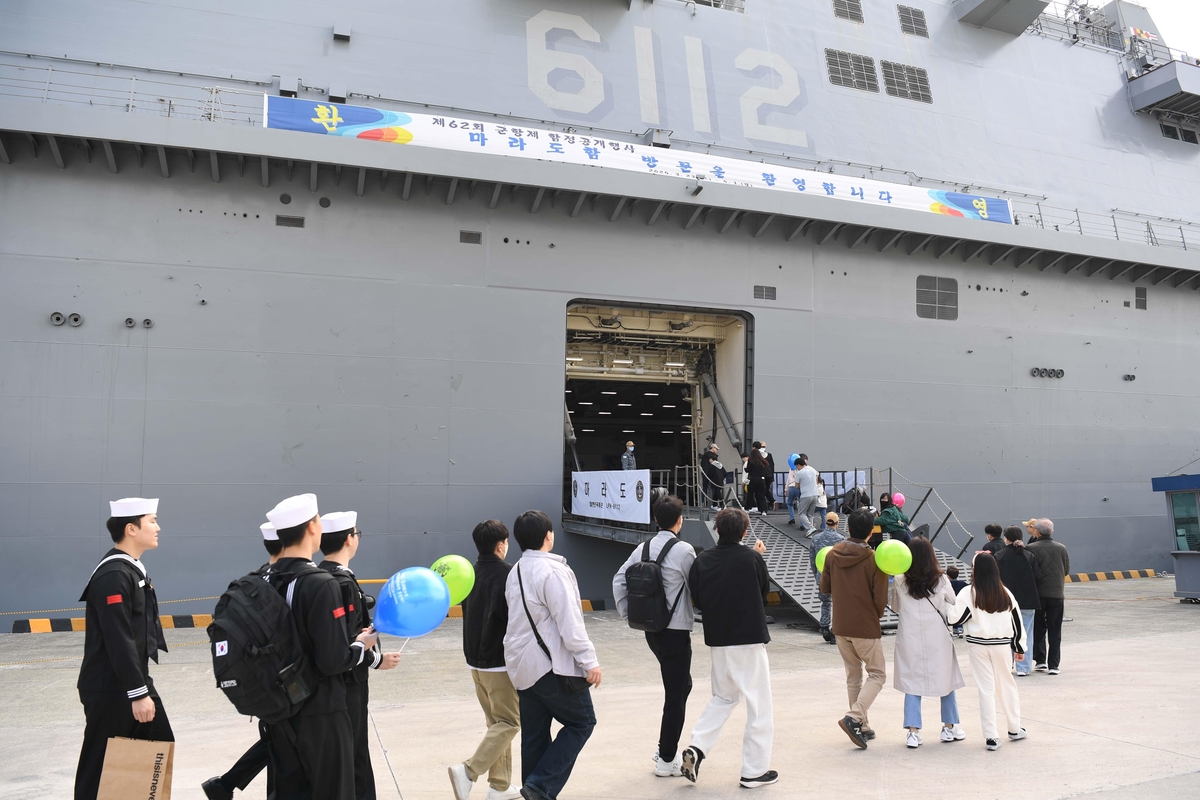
x=312, y=754
x=339, y=542
x=826, y=538
x=627, y=459
x=123, y=632
x=254, y=760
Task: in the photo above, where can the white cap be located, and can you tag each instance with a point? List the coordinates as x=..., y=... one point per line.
x=268, y=532
x=336, y=521
x=133, y=506
x=293, y=511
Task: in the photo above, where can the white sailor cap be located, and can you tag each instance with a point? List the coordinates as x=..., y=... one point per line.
x=336, y=521
x=133, y=506
x=268, y=532
x=293, y=511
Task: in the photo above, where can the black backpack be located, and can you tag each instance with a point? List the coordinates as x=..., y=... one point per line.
x=648, y=610
x=257, y=657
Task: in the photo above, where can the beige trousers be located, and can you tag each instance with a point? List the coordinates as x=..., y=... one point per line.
x=502, y=710
x=857, y=653
x=991, y=665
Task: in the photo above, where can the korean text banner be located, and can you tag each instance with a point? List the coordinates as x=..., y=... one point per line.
x=620, y=495
x=448, y=133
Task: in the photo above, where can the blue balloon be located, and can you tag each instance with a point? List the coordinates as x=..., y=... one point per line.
x=792, y=459
x=413, y=602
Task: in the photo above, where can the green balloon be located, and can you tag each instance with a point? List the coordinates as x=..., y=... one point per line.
x=458, y=574
x=820, y=560
x=893, y=557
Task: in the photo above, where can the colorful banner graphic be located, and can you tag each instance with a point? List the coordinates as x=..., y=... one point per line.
x=621, y=495
x=448, y=133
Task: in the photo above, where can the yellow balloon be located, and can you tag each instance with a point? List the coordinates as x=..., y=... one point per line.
x=820, y=559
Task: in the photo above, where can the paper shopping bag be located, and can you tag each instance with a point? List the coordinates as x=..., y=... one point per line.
x=137, y=768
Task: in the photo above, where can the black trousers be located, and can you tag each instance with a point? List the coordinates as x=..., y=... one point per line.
x=356, y=702
x=246, y=769
x=1047, y=625
x=312, y=757
x=673, y=649
x=758, y=494
x=110, y=714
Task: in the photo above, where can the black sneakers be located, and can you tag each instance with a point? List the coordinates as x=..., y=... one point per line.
x=766, y=779
x=828, y=636
x=853, y=729
x=214, y=789
x=692, y=757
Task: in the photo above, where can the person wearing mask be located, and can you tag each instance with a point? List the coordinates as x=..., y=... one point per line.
x=995, y=538
x=991, y=618
x=762, y=446
x=549, y=659
x=805, y=479
x=485, y=620
x=760, y=474
x=254, y=760
x=925, y=664
x=859, y=589
x=713, y=476
x=627, y=459
x=123, y=632
x=891, y=520
x=822, y=503
x=729, y=584
x=1054, y=564
x=340, y=538
x=1019, y=572
x=828, y=537
x=747, y=498
x=673, y=646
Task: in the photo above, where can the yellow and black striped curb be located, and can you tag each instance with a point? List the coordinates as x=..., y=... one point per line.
x=66, y=624
x=1119, y=575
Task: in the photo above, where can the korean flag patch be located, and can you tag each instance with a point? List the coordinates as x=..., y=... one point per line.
x=222, y=648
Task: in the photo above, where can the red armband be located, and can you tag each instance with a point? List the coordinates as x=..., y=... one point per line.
x=114, y=599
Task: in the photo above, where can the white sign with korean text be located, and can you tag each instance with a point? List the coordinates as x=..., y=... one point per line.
x=618, y=495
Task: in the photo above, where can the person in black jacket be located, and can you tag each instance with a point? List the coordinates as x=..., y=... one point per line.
x=1019, y=572
x=339, y=543
x=761, y=475
x=312, y=754
x=485, y=620
x=729, y=584
x=995, y=539
x=123, y=633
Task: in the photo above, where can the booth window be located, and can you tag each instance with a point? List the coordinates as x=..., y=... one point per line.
x=1187, y=521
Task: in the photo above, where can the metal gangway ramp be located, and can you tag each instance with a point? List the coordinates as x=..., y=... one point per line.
x=789, y=562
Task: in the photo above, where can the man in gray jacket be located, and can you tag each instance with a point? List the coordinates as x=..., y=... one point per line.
x=548, y=657
x=673, y=646
x=1053, y=566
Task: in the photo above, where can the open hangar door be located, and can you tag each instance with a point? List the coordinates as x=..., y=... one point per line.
x=650, y=375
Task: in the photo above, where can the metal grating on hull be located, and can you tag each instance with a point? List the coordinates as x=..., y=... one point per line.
x=788, y=560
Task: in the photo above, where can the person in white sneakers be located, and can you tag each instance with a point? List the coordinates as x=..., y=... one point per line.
x=991, y=620
x=925, y=662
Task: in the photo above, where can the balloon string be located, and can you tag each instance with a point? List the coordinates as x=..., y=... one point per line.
x=406, y=641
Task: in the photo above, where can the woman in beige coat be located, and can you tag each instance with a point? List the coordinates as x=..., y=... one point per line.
x=925, y=661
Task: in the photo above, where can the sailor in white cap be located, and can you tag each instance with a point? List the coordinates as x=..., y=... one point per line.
x=254, y=760
x=312, y=754
x=340, y=538
x=123, y=632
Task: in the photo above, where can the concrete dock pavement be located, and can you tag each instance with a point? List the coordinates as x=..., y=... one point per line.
x=1122, y=721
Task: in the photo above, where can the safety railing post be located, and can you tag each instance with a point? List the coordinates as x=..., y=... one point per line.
x=920, y=505
x=890, y=481
x=1116, y=231
x=132, y=92
x=965, y=546
x=949, y=514
x=1079, y=221
x=1182, y=238
x=49, y=76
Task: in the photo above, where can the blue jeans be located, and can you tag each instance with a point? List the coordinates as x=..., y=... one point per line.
x=1026, y=666
x=912, y=710
x=793, y=496
x=546, y=764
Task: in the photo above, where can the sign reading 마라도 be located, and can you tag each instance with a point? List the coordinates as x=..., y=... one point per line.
x=620, y=495
x=449, y=133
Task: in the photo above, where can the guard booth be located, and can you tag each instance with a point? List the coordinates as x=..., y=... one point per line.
x=1183, y=507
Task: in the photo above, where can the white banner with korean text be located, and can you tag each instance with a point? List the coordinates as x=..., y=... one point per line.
x=517, y=141
x=618, y=495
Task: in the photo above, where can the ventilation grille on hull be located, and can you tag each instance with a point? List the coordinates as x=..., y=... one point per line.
x=904, y=81
x=912, y=21
x=937, y=298
x=764, y=292
x=289, y=222
x=470, y=237
x=848, y=9
x=851, y=70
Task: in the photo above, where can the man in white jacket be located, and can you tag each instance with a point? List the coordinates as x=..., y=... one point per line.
x=549, y=658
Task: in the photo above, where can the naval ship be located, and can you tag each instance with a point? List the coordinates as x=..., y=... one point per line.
x=426, y=259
